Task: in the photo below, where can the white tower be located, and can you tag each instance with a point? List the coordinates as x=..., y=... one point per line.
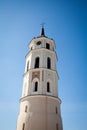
x=39, y=104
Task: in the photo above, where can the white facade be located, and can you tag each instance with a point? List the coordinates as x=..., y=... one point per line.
x=39, y=104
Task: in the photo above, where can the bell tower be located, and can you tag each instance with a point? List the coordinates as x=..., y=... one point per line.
x=39, y=104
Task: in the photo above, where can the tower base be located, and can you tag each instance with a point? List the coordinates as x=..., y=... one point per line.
x=39, y=112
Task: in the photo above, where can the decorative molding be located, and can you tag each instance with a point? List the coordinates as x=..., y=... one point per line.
x=36, y=74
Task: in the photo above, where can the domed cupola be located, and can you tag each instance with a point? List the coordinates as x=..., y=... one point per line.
x=42, y=42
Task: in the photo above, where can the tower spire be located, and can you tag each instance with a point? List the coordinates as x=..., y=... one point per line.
x=42, y=30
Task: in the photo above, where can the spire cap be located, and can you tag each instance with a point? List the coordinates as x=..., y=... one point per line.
x=42, y=30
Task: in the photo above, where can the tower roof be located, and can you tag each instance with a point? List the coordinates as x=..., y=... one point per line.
x=42, y=31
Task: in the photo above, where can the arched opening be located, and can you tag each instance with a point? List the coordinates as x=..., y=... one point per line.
x=27, y=65
x=36, y=86
x=56, y=110
x=31, y=48
x=48, y=87
x=26, y=108
x=47, y=46
x=23, y=127
x=57, y=126
x=48, y=63
x=37, y=62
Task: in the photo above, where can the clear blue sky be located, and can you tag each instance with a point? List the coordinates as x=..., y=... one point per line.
x=65, y=22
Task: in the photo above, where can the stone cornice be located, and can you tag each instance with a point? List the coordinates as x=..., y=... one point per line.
x=40, y=96
x=41, y=49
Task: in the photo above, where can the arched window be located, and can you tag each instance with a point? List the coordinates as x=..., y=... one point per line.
x=37, y=62
x=47, y=45
x=23, y=127
x=48, y=63
x=56, y=110
x=26, y=108
x=27, y=65
x=36, y=86
x=48, y=87
x=31, y=48
x=57, y=126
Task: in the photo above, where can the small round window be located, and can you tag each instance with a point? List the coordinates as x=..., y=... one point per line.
x=38, y=43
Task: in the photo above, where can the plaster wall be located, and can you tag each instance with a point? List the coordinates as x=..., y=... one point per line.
x=41, y=113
